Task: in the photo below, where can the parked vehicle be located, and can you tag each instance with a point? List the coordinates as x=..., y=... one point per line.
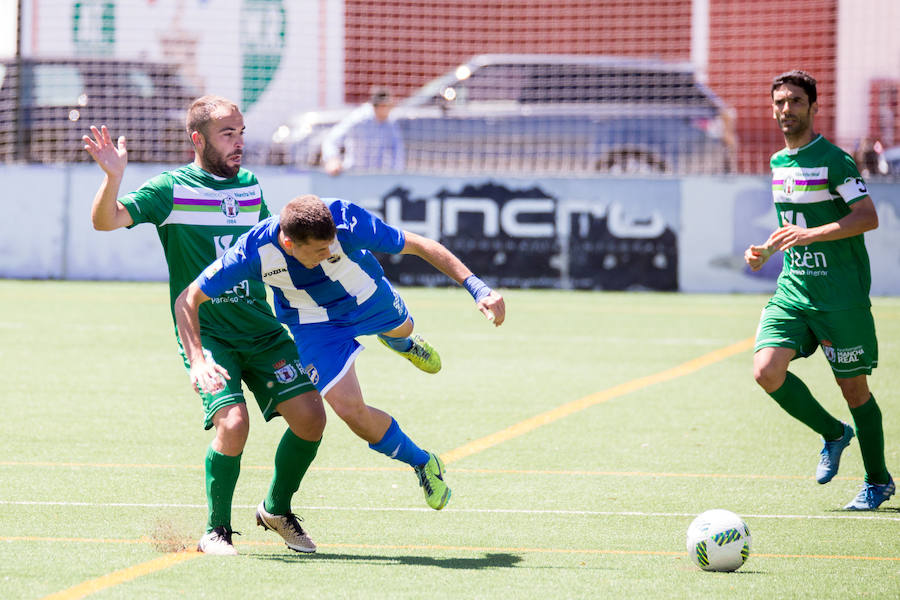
x=48, y=106
x=523, y=113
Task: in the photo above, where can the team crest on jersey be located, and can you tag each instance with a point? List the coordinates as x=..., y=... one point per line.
x=788, y=185
x=230, y=207
x=828, y=350
x=284, y=372
x=312, y=374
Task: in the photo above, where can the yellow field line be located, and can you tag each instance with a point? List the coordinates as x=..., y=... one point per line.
x=569, y=408
x=88, y=587
x=116, y=577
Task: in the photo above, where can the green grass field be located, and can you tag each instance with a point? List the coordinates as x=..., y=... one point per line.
x=581, y=438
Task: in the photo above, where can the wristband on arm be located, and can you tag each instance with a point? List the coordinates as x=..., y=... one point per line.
x=476, y=287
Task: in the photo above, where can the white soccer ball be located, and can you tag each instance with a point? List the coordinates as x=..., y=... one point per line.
x=718, y=540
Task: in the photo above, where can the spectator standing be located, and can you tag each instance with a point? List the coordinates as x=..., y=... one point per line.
x=369, y=138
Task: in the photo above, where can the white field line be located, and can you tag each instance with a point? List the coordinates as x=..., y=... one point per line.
x=510, y=511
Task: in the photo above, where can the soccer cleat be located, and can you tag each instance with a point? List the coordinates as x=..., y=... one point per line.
x=431, y=480
x=287, y=526
x=422, y=354
x=830, y=457
x=218, y=542
x=872, y=495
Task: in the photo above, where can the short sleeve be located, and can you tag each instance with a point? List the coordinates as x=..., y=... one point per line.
x=848, y=183
x=367, y=230
x=152, y=202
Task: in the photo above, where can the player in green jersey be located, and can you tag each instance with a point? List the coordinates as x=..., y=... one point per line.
x=199, y=211
x=822, y=296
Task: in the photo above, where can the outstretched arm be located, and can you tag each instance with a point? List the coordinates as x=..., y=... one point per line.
x=205, y=376
x=107, y=213
x=489, y=302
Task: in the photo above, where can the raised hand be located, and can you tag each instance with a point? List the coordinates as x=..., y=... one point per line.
x=111, y=158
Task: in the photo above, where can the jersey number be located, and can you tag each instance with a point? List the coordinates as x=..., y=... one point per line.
x=790, y=217
x=223, y=243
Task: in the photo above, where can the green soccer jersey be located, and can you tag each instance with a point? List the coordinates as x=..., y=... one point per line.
x=812, y=186
x=198, y=217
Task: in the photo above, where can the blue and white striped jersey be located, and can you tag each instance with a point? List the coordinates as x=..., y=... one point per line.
x=330, y=291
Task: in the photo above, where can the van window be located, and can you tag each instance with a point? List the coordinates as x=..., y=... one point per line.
x=601, y=84
x=57, y=85
x=140, y=83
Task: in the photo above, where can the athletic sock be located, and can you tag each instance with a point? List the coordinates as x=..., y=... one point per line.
x=401, y=344
x=796, y=399
x=221, y=477
x=397, y=445
x=871, y=440
x=292, y=459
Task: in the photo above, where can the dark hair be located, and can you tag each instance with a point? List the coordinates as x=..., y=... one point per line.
x=201, y=112
x=380, y=95
x=801, y=79
x=307, y=218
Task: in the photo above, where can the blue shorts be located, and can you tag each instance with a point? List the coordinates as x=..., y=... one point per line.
x=327, y=350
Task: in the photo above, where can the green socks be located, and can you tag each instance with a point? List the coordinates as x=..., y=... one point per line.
x=292, y=459
x=795, y=398
x=871, y=440
x=221, y=477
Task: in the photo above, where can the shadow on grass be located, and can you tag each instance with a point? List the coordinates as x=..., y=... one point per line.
x=488, y=561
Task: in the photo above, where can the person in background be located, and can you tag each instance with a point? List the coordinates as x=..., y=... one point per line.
x=366, y=140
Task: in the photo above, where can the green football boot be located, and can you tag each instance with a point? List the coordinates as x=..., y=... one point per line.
x=431, y=480
x=421, y=354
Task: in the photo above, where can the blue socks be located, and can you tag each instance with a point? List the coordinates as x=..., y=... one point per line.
x=395, y=444
x=399, y=344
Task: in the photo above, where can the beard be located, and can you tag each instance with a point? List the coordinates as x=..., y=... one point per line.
x=217, y=164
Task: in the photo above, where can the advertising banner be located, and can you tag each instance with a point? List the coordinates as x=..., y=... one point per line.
x=530, y=234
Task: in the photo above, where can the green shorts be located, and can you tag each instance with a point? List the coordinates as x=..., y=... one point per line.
x=270, y=368
x=847, y=337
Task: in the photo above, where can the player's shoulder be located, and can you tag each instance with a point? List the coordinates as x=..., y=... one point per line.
x=246, y=177
x=264, y=231
x=832, y=151
x=343, y=211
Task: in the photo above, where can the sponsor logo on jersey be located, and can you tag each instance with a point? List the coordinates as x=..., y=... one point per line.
x=842, y=356
x=274, y=271
x=230, y=207
x=311, y=372
x=284, y=372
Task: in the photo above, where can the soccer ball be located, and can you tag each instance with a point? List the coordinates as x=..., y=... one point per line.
x=718, y=540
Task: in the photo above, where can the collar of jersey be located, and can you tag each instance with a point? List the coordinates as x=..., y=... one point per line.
x=793, y=151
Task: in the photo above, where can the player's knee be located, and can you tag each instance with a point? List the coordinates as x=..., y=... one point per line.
x=855, y=390
x=768, y=375
x=350, y=412
x=232, y=427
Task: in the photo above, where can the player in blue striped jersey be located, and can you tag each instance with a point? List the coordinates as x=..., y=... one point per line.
x=329, y=289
